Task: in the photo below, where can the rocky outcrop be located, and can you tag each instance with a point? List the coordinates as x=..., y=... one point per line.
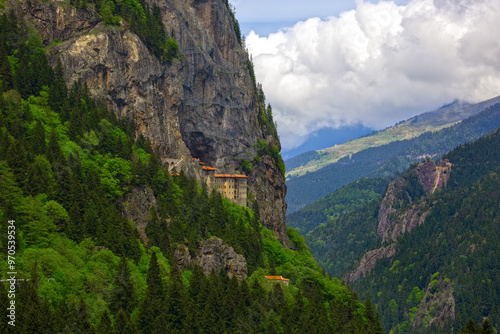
x=433, y=177
x=437, y=307
x=398, y=212
x=369, y=261
x=137, y=206
x=200, y=105
x=393, y=222
x=391, y=225
x=213, y=256
x=387, y=210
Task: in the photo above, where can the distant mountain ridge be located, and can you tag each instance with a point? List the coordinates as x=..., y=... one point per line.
x=443, y=117
x=385, y=160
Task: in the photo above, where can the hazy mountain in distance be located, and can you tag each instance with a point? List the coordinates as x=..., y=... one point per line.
x=385, y=160
x=325, y=138
x=443, y=117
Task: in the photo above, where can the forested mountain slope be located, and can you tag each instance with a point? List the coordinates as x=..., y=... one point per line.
x=342, y=201
x=72, y=173
x=179, y=71
x=427, y=251
x=388, y=159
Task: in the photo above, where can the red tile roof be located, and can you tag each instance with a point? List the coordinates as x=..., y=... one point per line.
x=231, y=175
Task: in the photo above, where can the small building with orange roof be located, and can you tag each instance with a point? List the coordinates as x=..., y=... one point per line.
x=279, y=279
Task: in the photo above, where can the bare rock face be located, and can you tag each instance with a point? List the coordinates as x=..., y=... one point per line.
x=437, y=307
x=387, y=211
x=200, y=105
x=54, y=19
x=215, y=255
x=394, y=225
x=369, y=261
x=433, y=177
x=426, y=173
x=270, y=198
x=137, y=205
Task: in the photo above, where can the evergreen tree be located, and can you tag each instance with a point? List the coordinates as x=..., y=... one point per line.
x=37, y=139
x=174, y=305
x=58, y=91
x=151, y=307
x=487, y=327
x=54, y=152
x=469, y=328
x=7, y=79
x=122, y=297
x=374, y=324
x=123, y=325
x=105, y=326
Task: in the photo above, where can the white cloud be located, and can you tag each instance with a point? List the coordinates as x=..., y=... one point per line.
x=378, y=64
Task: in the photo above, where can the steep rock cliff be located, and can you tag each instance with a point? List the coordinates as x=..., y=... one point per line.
x=400, y=213
x=393, y=222
x=369, y=261
x=200, y=105
x=214, y=255
x=137, y=205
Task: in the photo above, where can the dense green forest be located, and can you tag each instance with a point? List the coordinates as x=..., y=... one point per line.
x=454, y=254
x=342, y=201
x=387, y=159
x=66, y=166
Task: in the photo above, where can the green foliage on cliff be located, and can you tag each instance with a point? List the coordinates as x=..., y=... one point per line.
x=144, y=20
x=66, y=167
x=236, y=24
x=271, y=150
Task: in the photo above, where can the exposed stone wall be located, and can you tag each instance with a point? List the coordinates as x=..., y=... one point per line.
x=214, y=255
x=369, y=261
x=137, y=206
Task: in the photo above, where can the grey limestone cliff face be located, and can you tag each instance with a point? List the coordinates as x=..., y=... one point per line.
x=213, y=256
x=369, y=261
x=200, y=105
x=137, y=205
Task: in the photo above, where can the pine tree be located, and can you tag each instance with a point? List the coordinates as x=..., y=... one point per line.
x=7, y=79
x=174, y=305
x=373, y=318
x=105, y=326
x=58, y=91
x=18, y=163
x=54, y=152
x=37, y=139
x=122, y=297
x=151, y=306
x=123, y=325
x=487, y=327
x=469, y=328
